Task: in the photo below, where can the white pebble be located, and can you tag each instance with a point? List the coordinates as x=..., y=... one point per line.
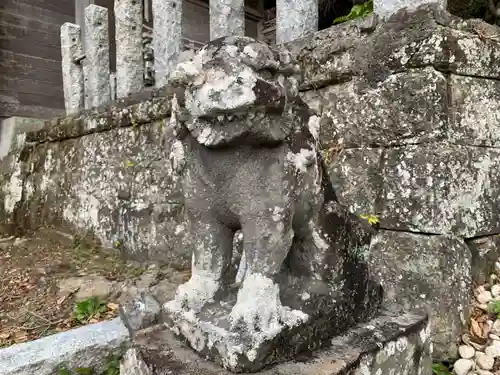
x=466, y=351
x=494, y=337
x=497, y=268
x=484, y=297
x=495, y=290
x=485, y=361
x=495, y=329
x=483, y=372
x=462, y=366
x=493, y=349
x=483, y=306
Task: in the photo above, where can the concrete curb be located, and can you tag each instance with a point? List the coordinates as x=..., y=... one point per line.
x=84, y=347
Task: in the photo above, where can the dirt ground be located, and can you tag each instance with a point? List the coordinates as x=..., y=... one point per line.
x=35, y=299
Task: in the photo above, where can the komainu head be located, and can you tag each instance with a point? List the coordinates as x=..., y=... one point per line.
x=239, y=90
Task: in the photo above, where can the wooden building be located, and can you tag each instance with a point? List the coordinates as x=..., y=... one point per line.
x=30, y=56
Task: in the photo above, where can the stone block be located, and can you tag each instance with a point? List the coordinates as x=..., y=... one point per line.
x=142, y=312
x=84, y=347
x=133, y=364
x=413, y=37
x=404, y=108
x=474, y=116
x=391, y=343
x=485, y=253
x=441, y=188
x=329, y=56
x=356, y=177
x=386, y=8
x=419, y=271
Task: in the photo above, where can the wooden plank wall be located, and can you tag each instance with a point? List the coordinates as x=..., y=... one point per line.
x=30, y=56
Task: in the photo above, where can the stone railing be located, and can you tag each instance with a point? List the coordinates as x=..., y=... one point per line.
x=144, y=56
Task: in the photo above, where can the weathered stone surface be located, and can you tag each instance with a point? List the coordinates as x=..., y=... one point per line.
x=11, y=127
x=405, y=108
x=72, y=70
x=389, y=343
x=327, y=57
x=85, y=347
x=386, y=8
x=441, y=188
x=96, y=63
x=247, y=159
x=133, y=364
x=475, y=111
x=85, y=287
x=227, y=18
x=129, y=60
x=426, y=272
x=167, y=37
x=356, y=177
x=295, y=19
x=143, y=311
x=485, y=253
x=409, y=39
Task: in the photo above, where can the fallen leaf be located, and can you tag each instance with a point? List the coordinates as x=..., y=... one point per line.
x=475, y=328
x=4, y=336
x=113, y=306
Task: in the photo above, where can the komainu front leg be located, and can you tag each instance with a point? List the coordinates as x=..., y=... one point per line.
x=211, y=257
x=258, y=309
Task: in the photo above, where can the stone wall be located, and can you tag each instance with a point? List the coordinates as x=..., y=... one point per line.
x=410, y=134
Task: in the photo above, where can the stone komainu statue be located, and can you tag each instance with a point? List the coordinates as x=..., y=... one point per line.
x=246, y=155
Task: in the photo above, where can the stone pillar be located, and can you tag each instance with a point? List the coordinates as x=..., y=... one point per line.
x=72, y=72
x=385, y=8
x=227, y=18
x=167, y=37
x=129, y=61
x=295, y=19
x=96, y=63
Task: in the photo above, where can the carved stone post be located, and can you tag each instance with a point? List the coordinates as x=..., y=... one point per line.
x=385, y=8
x=295, y=19
x=96, y=63
x=72, y=53
x=129, y=60
x=227, y=18
x=167, y=37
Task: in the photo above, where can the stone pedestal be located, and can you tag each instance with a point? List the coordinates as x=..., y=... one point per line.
x=390, y=343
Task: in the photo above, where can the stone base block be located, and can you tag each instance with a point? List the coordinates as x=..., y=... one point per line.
x=310, y=316
x=391, y=343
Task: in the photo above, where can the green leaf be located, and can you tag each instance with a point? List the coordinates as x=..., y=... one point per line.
x=357, y=11
x=440, y=369
x=84, y=371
